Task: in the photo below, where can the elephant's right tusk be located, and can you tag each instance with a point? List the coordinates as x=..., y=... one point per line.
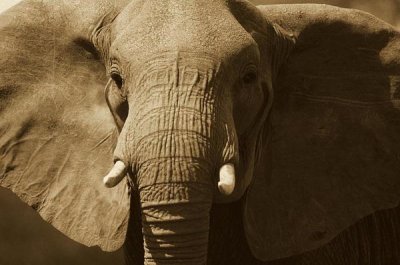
x=116, y=175
x=227, y=180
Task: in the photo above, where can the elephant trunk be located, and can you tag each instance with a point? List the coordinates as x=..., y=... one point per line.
x=176, y=191
x=175, y=230
x=176, y=138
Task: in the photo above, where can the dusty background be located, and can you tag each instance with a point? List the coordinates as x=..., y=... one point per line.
x=26, y=240
x=4, y=4
x=388, y=10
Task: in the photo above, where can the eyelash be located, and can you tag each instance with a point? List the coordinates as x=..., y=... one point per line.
x=116, y=76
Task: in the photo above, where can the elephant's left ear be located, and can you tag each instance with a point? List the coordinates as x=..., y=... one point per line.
x=56, y=133
x=332, y=149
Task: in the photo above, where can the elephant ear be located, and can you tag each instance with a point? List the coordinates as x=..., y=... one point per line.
x=332, y=154
x=56, y=133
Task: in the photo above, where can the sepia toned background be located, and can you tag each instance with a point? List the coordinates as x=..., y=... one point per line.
x=388, y=10
x=26, y=240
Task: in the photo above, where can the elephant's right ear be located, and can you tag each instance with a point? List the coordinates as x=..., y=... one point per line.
x=56, y=133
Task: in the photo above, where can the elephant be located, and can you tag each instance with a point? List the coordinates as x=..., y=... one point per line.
x=205, y=132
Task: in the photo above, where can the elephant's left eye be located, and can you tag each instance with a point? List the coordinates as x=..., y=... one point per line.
x=249, y=78
x=250, y=75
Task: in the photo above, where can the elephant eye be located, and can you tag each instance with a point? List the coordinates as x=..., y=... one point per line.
x=250, y=75
x=117, y=79
x=249, y=78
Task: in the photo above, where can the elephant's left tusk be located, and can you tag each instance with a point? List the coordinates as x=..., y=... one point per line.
x=226, y=182
x=116, y=175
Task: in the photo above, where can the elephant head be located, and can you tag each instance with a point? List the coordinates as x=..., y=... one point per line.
x=294, y=109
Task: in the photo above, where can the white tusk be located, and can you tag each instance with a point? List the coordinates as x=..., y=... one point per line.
x=226, y=182
x=116, y=175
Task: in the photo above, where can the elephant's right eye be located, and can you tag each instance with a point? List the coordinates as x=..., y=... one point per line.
x=117, y=79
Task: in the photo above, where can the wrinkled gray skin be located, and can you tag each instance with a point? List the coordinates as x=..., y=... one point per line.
x=188, y=72
x=177, y=72
x=191, y=87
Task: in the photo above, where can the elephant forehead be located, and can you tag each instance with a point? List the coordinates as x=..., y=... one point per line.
x=196, y=26
x=178, y=68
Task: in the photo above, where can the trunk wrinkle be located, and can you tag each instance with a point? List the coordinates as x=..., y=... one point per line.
x=180, y=137
x=176, y=232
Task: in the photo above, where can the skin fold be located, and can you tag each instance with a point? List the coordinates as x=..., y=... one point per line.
x=233, y=134
x=181, y=128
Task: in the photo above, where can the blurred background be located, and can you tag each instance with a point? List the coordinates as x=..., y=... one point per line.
x=388, y=10
x=5, y=4
x=27, y=240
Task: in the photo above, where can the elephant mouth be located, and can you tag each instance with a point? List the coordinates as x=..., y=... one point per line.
x=226, y=181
